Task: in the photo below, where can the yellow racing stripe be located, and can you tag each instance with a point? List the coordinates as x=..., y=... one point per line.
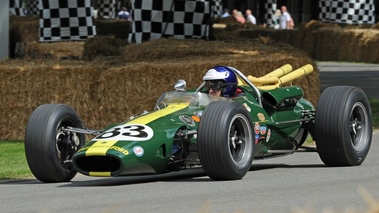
x=100, y=174
x=100, y=147
x=158, y=114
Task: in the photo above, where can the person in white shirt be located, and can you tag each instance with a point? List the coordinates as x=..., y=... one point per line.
x=250, y=18
x=123, y=14
x=226, y=13
x=285, y=19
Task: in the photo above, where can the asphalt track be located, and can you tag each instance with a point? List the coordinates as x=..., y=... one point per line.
x=283, y=184
x=365, y=76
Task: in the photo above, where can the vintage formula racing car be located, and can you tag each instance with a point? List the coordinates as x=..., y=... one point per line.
x=191, y=129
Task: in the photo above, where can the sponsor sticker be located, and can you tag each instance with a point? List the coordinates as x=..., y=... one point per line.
x=256, y=139
x=257, y=128
x=247, y=107
x=138, y=151
x=119, y=149
x=268, y=135
x=187, y=120
x=261, y=116
x=263, y=130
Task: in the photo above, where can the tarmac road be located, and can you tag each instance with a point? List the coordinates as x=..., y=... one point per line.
x=280, y=184
x=365, y=76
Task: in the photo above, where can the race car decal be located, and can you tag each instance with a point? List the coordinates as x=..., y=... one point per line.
x=119, y=149
x=261, y=116
x=256, y=139
x=263, y=130
x=268, y=135
x=138, y=151
x=247, y=107
x=127, y=132
x=187, y=120
x=257, y=128
x=100, y=147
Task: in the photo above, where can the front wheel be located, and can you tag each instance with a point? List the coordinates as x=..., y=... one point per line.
x=48, y=148
x=343, y=126
x=225, y=140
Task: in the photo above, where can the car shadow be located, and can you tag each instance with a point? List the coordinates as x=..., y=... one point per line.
x=188, y=175
x=256, y=167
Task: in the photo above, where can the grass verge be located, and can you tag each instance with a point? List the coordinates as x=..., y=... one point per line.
x=13, y=161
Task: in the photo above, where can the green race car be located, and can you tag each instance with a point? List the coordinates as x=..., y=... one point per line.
x=192, y=129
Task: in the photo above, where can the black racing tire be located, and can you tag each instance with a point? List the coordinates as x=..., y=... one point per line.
x=343, y=126
x=225, y=140
x=46, y=147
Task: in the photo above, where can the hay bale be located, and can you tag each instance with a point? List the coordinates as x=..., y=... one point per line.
x=27, y=85
x=112, y=27
x=22, y=30
x=65, y=50
x=100, y=46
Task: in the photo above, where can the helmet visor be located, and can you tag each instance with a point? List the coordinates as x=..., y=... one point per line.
x=214, y=85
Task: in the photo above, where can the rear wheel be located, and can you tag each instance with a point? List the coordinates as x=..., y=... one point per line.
x=343, y=126
x=48, y=148
x=225, y=140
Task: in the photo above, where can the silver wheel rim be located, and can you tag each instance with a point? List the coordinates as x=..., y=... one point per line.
x=359, y=126
x=240, y=140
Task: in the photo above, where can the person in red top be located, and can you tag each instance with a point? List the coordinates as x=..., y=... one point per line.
x=238, y=16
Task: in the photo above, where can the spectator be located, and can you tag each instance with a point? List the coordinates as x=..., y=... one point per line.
x=238, y=16
x=123, y=14
x=226, y=13
x=276, y=19
x=250, y=18
x=286, y=21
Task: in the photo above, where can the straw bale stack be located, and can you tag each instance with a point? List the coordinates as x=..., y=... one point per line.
x=333, y=42
x=66, y=50
x=111, y=89
x=25, y=86
x=118, y=80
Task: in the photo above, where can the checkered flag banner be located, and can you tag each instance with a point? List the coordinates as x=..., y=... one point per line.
x=66, y=20
x=217, y=8
x=152, y=19
x=270, y=6
x=16, y=7
x=106, y=9
x=348, y=11
x=32, y=7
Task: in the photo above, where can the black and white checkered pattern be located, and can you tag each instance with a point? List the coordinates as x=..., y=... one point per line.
x=32, y=7
x=66, y=20
x=106, y=9
x=180, y=19
x=16, y=7
x=270, y=6
x=217, y=8
x=348, y=11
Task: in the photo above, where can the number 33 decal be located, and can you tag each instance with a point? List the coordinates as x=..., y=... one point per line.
x=130, y=132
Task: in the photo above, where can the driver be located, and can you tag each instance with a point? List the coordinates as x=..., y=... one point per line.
x=221, y=81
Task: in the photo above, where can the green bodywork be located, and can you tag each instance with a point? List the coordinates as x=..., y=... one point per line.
x=146, y=144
